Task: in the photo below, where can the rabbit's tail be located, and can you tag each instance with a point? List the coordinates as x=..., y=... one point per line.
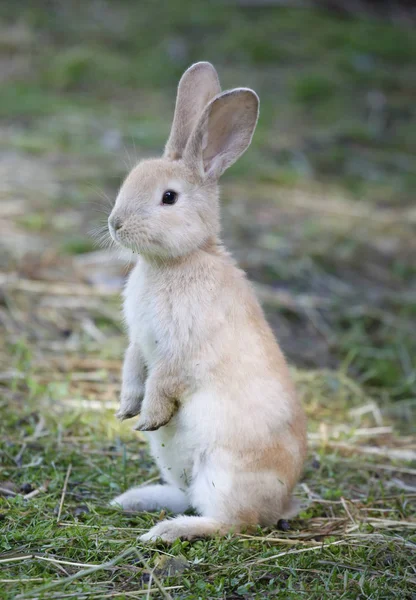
x=188, y=528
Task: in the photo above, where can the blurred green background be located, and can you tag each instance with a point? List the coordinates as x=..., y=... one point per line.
x=320, y=212
x=321, y=207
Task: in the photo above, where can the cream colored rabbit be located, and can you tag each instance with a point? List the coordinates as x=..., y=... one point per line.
x=203, y=367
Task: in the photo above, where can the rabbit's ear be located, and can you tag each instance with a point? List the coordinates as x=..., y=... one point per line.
x=223, y=132
x=198, y=85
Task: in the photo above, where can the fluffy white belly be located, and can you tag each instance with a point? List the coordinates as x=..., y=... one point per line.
x=175, y=457
x=205, y=423
x=179, y=446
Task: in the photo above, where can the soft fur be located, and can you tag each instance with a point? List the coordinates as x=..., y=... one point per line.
x=203, y=368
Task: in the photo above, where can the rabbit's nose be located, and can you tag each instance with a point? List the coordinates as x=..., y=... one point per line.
x=115, y=223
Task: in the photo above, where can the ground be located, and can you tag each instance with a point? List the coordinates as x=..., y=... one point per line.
x=320, y=212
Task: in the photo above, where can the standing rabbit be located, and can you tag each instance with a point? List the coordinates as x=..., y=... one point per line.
x=203, y=368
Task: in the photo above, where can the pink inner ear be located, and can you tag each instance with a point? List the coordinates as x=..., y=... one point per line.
x=231, y=123
x=223, y=132
x=216, y=165
x=223, y=123
x=215, y=157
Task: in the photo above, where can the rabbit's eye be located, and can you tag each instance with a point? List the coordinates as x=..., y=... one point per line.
x=169, y=197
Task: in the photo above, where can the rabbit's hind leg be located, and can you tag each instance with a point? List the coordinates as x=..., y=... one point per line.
x=151, y=498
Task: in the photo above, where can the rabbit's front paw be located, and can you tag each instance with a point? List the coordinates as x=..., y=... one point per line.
x=130, y=402
x=158, y=415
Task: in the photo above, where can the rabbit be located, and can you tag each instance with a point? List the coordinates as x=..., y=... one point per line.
x=203, y=368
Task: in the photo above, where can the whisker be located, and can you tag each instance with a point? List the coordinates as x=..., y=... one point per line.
x=102, y=194
x=101, y=236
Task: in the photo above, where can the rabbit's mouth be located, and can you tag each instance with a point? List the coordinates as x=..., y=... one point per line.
x=143, y=244
x=135, y=234
x=122, y=234
x=120, y=238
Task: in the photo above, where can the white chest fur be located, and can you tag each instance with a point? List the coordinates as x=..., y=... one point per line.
x=168, y=313
x=162, y=327
x=140, y=312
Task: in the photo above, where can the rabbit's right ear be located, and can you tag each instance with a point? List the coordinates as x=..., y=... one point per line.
x=223, y=132
x=198, y=85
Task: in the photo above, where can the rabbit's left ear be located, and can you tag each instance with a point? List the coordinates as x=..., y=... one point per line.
x=223, y=132
x=198, y=85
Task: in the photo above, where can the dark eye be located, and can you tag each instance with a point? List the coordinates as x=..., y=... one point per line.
x=169, y=197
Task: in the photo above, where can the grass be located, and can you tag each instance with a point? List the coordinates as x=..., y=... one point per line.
x=63, y=463
x=320, y=214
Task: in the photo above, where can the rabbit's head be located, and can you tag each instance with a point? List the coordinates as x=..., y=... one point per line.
x=168, y=207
